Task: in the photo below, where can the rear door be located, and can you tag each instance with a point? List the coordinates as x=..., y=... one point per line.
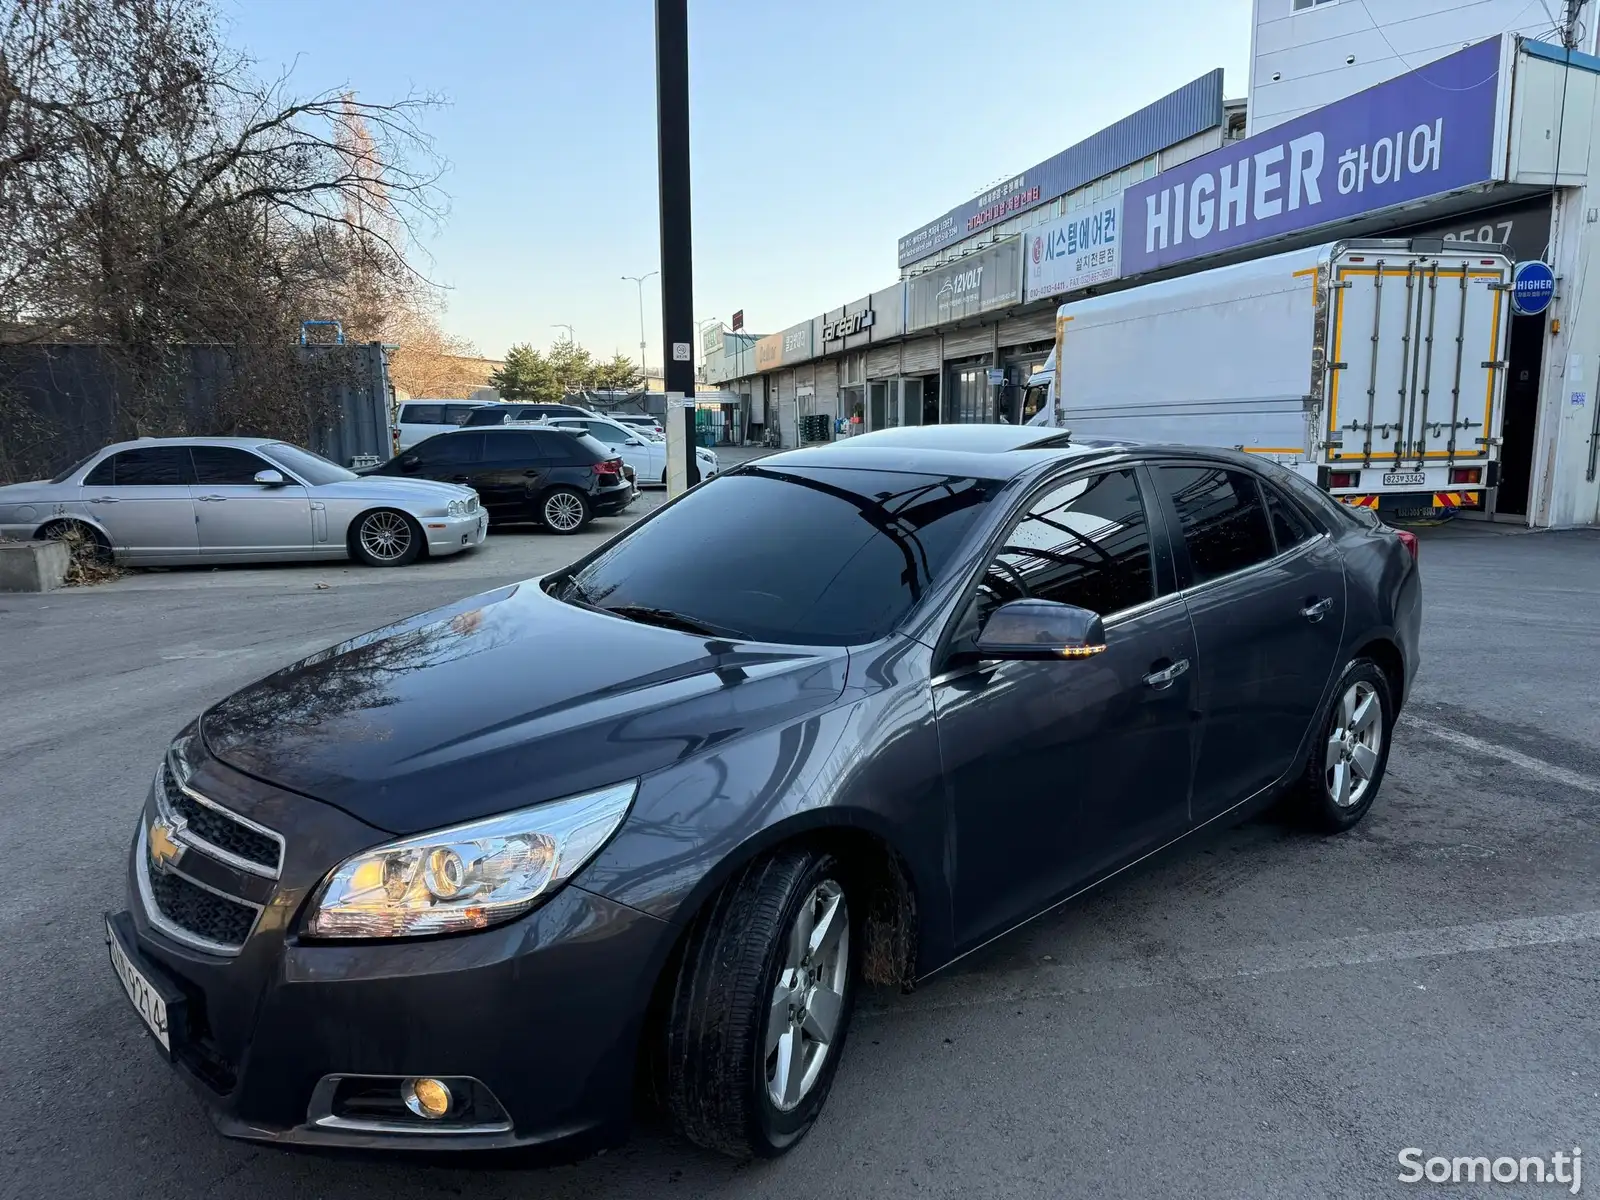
x=513, y=471
x=235, y=515
x=1265, y=590
x=1415, y=340
x=141, y=498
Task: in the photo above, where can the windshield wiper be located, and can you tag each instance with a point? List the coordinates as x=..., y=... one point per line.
x=663, y=617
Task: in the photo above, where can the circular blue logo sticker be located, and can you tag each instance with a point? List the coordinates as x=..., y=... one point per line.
x=1533, y=286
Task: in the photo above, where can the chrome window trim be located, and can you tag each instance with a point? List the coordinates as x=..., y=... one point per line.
x=177, y=933
x=195, y=841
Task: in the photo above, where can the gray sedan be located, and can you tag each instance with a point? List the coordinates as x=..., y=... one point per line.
x=172, y=501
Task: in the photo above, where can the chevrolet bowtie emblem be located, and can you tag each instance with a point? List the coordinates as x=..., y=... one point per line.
x=165, y=849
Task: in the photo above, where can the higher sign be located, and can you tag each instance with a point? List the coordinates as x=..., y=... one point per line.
x=1421, y=134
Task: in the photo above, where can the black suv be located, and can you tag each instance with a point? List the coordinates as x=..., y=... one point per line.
x=556, y=478
x=503, y=414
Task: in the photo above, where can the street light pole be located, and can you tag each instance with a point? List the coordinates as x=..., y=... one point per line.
x=571, y=336
x=639, y=279
x=677, y=253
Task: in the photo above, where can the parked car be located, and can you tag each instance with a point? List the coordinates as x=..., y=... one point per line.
x=176, y=501
x=555, y=477
x=418, y=419
x=503, y=414
x=657, y=817
x=650, y=425
x=646, y=455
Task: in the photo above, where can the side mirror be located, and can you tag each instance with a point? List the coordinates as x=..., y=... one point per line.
x=271, y=478
x=633, y=442
x=1040, y=631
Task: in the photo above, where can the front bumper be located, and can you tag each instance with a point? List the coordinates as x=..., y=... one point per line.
x=448, y=535
x=544, y=1011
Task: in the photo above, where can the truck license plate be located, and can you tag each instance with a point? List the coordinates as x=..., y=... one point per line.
x=1404, y=479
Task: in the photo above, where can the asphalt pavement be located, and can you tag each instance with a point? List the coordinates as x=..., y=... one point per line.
x=1261, y=1013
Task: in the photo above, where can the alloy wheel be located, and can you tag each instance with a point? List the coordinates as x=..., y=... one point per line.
x=803, y=1019
x=386, y=536
x=1354, y=744
x=563, y=512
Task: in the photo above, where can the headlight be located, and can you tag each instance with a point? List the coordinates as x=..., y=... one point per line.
x=456, y=508
x=468, y=877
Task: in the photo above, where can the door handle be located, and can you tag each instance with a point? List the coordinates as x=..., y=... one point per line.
x=102, y=500
x=1162, y=679
x=1315, y=612
x=210, y=499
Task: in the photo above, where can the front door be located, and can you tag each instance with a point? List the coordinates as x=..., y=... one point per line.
x=236, y=516
x=1059, y=771
x=1267, y=598
x=512, y=473
x=141, y=499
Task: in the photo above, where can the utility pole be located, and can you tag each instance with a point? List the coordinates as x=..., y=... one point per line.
x=639, y=279
x=571, y=336
x=677, y=252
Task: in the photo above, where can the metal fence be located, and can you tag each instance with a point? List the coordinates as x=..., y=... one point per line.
x=60, y=402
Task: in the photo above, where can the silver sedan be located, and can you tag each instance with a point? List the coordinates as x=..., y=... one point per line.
x=172, y=501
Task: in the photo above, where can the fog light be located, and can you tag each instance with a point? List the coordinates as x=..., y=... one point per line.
x=428, y=1098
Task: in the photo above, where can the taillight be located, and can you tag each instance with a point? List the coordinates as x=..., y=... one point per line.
x=1342, y=479
x=611, y=466
x=1409, y=541
x=1466, y=474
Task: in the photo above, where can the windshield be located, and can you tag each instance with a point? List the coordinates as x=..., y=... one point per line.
x=830, y=556
x=70, y=471
x=313, y=468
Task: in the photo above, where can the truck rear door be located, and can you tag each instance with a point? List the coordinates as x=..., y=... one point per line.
x=1415, y=376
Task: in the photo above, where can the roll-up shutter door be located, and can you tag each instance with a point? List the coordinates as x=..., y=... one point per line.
x=1035, y=327
x=785, y=414
x=827, y=387
x=883, y=362
x=966, y=342
x=920, y=358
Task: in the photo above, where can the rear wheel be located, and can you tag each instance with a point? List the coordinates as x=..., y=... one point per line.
x=564, y=510
x=762, y=1005
x=1349, y=756
x=385, y=538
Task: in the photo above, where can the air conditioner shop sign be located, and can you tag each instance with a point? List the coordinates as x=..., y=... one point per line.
x=1421, y=134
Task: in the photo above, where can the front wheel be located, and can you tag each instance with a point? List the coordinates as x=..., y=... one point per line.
x=762, y=1005
x=1350, y=753
x=385, y=538
x=564, y=510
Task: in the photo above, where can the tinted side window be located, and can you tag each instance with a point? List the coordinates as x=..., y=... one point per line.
x=1223, y=520
x=104, y=473
x=512, y=446
x=449, y=448
x=423, y=414
x=225, y=464
x=1289, y=525
x=609, y=434
x=575, y=448
x=1086, y=542
x=457, y=414
x=156, y=466
x=486, y=416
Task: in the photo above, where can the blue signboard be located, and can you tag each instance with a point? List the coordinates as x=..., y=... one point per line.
x=1533, y=286
x=1420, y=134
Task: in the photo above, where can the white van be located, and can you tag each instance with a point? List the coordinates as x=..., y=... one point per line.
x=418, y=419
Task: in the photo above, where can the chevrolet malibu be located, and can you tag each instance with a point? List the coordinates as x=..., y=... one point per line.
x=649, y=824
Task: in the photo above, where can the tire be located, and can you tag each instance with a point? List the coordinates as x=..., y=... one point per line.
x=385, y=537
x=564, y=510
x=85, y=541
x=1336, y=762
x=739, y=991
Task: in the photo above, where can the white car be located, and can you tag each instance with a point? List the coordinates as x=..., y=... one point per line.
x=646, y=455
x=651, y=425
x=419, y=419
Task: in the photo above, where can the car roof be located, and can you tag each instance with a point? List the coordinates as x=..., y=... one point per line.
x=518, y=427
x=980, y=451
x=243, y=443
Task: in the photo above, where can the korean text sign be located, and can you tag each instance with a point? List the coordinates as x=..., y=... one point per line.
x=1420, y=134
x=1075, y=251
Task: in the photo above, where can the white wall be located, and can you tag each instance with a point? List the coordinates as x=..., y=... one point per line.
x=1308, y=50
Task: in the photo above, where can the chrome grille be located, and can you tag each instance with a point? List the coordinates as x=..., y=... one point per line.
x=201, y=912
x=218, y=831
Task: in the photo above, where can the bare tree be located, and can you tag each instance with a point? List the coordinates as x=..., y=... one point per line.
x=154, y=192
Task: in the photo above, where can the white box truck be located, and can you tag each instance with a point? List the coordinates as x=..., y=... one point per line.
x=1374, y=368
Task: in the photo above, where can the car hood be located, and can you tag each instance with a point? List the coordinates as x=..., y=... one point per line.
x=504, y=700
x=389, y=487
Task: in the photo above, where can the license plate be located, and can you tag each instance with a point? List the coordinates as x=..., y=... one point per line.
x=147, y=1002
x=1405, y=479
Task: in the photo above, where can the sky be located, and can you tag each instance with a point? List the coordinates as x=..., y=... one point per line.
x=820, y=134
